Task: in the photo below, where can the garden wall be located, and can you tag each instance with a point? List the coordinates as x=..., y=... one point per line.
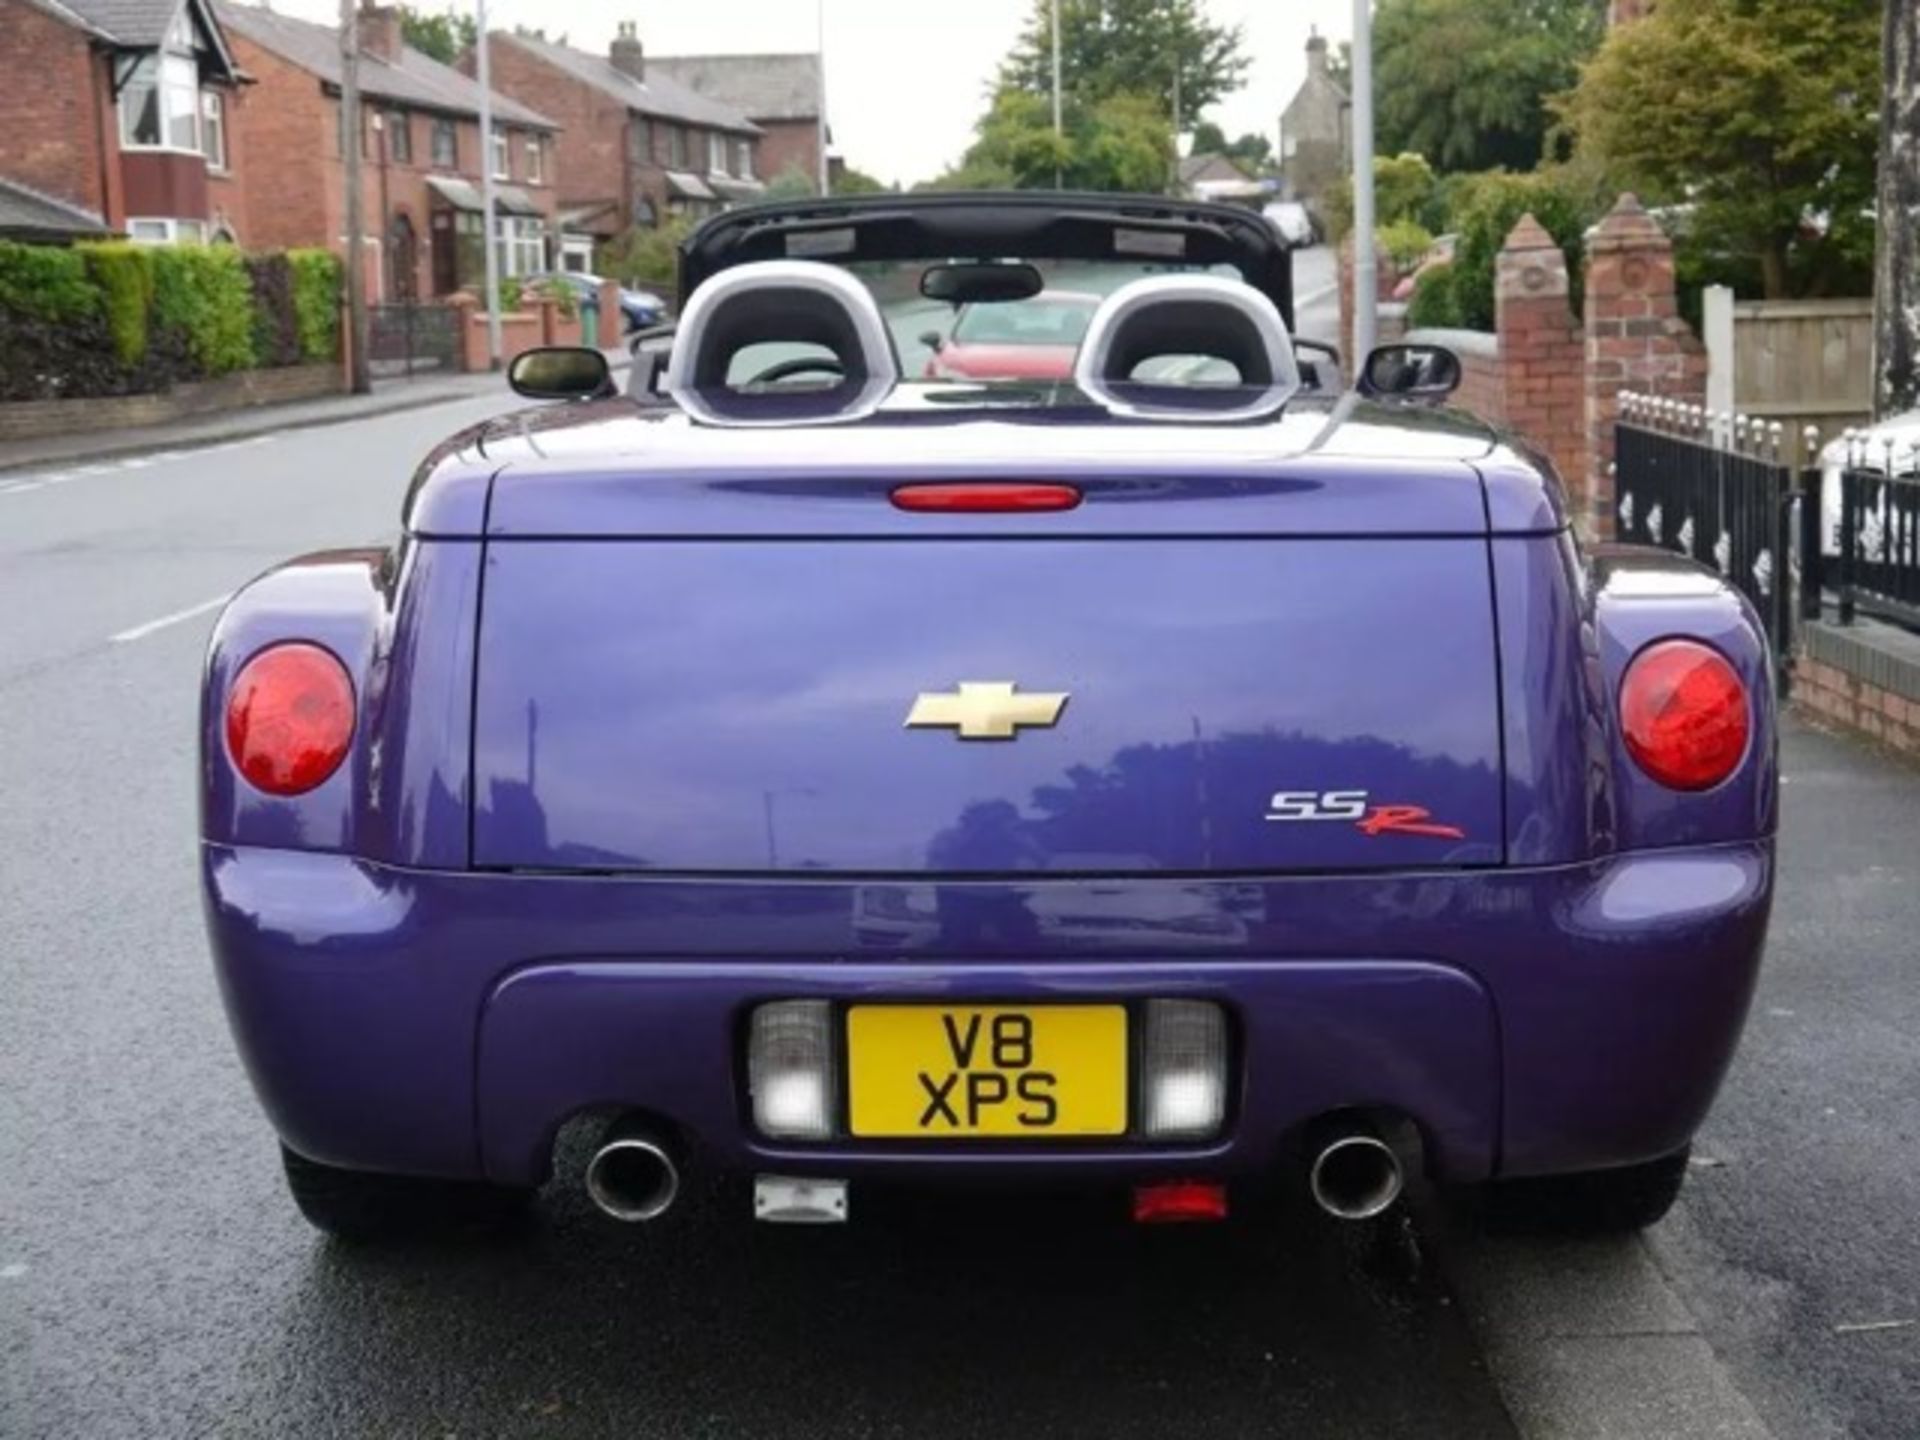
x=31, y=419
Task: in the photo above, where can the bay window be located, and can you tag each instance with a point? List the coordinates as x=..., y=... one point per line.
x=521, y=244
x=160, y=104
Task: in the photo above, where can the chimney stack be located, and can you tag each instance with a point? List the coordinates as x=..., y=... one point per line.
x=627, y=54
x=380, y=34
x=1316, y=52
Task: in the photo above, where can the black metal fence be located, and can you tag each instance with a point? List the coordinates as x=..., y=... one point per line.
x=1874, y=561
x=1719, y=489
x=406, y=338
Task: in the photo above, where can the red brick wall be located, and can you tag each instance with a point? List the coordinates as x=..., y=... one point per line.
x=788, y=144
x=1540, y=349
x=1833, y=695
x=590, y=152
x=284, y=128
x=51, y=108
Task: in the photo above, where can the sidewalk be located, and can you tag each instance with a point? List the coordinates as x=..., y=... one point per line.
x=388, y=397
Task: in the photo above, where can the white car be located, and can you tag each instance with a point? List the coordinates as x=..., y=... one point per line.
x=1293, y=220
x=1901, y=431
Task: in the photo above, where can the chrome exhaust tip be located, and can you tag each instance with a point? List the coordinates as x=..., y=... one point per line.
x=632, y=1176
x=1356, y=1177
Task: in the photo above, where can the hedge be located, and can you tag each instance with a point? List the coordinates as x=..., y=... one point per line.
x=201, y=294
x=114, y=318
x=317, y=278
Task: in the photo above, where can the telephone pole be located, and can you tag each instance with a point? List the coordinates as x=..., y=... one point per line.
x=359, y=377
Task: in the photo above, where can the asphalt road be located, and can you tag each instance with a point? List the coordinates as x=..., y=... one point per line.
x=154, y=1280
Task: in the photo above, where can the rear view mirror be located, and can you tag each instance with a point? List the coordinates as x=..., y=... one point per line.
x=560, y=372
x=1411, y=372
x=980, y=282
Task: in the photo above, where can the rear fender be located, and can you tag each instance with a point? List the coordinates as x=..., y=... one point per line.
x=1636, y=596
x=401, y=622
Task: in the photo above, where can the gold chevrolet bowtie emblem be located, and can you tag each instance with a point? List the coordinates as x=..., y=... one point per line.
x=985, y=710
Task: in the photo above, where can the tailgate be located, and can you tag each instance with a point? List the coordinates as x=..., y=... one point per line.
x=1231, y=705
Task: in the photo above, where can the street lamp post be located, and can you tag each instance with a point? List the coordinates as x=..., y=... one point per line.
x=1366, y=277
x=820, y=46
x=359, y=375
x=487, y=211
x=1059, y=130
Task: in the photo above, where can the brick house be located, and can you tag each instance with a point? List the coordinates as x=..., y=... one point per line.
x=121, y=110
x=420, y=144
x=635, y=146
x=782, y=94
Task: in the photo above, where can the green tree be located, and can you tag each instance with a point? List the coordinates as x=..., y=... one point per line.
x=1762, y=115
x=850, y=181
x=1122, y=142
x=443, y=36
x=1209, y=139
x=1467, y=82
x=1131, y=47
x=1252, y=152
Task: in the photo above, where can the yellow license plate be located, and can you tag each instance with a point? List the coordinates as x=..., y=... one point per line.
x=931, y=1072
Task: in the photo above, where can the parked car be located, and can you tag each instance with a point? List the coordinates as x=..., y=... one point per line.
x=1032, y=339
x=1294, y=222
x=821, y=775
x=1898, y=435
x=639, y=309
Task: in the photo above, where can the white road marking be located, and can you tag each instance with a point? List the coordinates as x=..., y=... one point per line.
x=40, y=480
x=140, y=632
x=13, y=1271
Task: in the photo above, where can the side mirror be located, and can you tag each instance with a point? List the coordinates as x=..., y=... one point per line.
x=932, y=339
x=561, y=372
x=1410, y=372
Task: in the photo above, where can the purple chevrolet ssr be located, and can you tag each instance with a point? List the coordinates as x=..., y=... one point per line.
x=1192, y=773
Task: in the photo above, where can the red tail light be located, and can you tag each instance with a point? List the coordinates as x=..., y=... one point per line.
x=290, y=718
x=1685, y=714
x=986, y=497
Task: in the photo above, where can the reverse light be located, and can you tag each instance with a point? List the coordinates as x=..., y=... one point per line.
x=790, y=1070
x=986, y=497
x=1183, y=1070
x=1685, y=714
x=290, y=718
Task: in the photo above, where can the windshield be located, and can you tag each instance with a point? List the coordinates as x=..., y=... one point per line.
x=1043, y=320
x=1014, y=340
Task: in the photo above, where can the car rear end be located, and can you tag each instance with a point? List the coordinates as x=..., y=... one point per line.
x=1155, y=816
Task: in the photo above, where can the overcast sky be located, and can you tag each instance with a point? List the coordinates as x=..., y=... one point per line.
x=905, y=78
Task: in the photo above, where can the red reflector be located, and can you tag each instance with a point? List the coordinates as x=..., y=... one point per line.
x=1176, y=1200
x=1684, y=712
x=290, y=718
x=986, y=497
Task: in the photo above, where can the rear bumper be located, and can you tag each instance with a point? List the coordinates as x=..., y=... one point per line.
x=1530, y=1021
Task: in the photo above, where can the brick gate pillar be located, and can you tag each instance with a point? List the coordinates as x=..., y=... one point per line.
x=1636, y=339
x=1540, y=354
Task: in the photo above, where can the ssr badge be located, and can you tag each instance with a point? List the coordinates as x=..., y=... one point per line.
x=1357, y=808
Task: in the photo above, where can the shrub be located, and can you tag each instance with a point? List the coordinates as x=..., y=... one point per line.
x=123, y=274
x=1488, y=209
x=276, y=329
x=562, y=296
x=647, y=257
x=316, y=302
x=46, y=282
x=1434, y=305
x=201, y=294
x=512, y=293
x=1404, y=188
x=1404, y=242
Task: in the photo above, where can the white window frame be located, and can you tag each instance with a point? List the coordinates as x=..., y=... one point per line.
x=171, y=231
x=743, y=159
x=536, y=160
x=174, y=81
x=502, y=156
x=716, y=154
x=520, y=243
x=213, y=130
